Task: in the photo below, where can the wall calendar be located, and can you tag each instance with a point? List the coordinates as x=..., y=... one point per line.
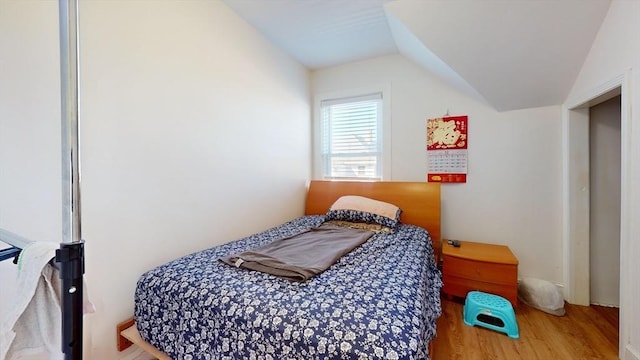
x=447, y=140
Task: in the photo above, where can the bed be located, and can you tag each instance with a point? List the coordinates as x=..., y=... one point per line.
x=381, y=300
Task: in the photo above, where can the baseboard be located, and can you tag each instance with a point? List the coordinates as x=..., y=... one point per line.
x=606, y=305
x=630, y=353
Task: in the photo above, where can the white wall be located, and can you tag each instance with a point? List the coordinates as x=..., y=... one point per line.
x=513, y=190
x=615, y=52
x=30, y=185
x=30, y=156
x=195, y=131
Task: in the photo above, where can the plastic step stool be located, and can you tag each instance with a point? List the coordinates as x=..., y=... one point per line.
x=490, y=311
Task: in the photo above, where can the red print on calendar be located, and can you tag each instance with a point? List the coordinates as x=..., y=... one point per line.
x=447, y=133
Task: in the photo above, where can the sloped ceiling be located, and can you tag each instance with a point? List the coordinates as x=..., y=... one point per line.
x=321, y=33
x=511, y=54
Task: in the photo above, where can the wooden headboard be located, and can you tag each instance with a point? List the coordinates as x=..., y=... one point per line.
x=419, y=201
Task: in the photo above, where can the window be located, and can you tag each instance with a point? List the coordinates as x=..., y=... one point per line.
x=351, y=137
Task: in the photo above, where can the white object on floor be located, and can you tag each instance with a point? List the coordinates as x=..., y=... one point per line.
x=542, y=295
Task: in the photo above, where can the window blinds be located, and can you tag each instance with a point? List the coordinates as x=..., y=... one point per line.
x=351, y=141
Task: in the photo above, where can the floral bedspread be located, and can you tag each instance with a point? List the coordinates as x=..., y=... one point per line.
x=380, y=301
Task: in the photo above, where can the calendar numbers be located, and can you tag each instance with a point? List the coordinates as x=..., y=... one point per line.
x=448, y=161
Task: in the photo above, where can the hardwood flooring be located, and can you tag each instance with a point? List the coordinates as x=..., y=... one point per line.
x=585, y=332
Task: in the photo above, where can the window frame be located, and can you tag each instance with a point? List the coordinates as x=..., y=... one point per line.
x=384, y=130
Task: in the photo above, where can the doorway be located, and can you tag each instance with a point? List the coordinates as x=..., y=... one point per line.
x=576, y=196
x=604, y=203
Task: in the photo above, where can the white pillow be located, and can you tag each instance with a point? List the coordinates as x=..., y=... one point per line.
x=361, y=203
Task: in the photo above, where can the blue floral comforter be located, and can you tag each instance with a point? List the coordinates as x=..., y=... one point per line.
x=381, y=301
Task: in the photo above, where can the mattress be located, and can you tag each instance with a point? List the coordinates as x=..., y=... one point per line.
x=380, y=301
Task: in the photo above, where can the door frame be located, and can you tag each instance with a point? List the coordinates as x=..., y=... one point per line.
x=575, y=189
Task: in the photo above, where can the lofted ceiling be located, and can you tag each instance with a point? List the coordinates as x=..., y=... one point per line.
x=510, y=54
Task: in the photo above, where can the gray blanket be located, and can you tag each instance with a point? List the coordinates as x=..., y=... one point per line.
x=303, y=255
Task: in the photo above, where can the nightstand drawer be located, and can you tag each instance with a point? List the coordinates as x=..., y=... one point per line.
x=460, y=287
x=481, y=271
x=478, y=266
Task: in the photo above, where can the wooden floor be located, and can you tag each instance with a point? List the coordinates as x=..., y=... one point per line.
x=585, y=332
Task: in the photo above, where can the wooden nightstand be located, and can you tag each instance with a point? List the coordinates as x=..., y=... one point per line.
x=477, y=266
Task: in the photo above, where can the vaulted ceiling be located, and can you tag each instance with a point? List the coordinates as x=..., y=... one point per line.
x=511, y=54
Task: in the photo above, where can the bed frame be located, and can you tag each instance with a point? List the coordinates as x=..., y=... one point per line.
x=419, y=201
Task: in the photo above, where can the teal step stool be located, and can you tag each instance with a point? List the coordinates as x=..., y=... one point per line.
x=490, y=311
